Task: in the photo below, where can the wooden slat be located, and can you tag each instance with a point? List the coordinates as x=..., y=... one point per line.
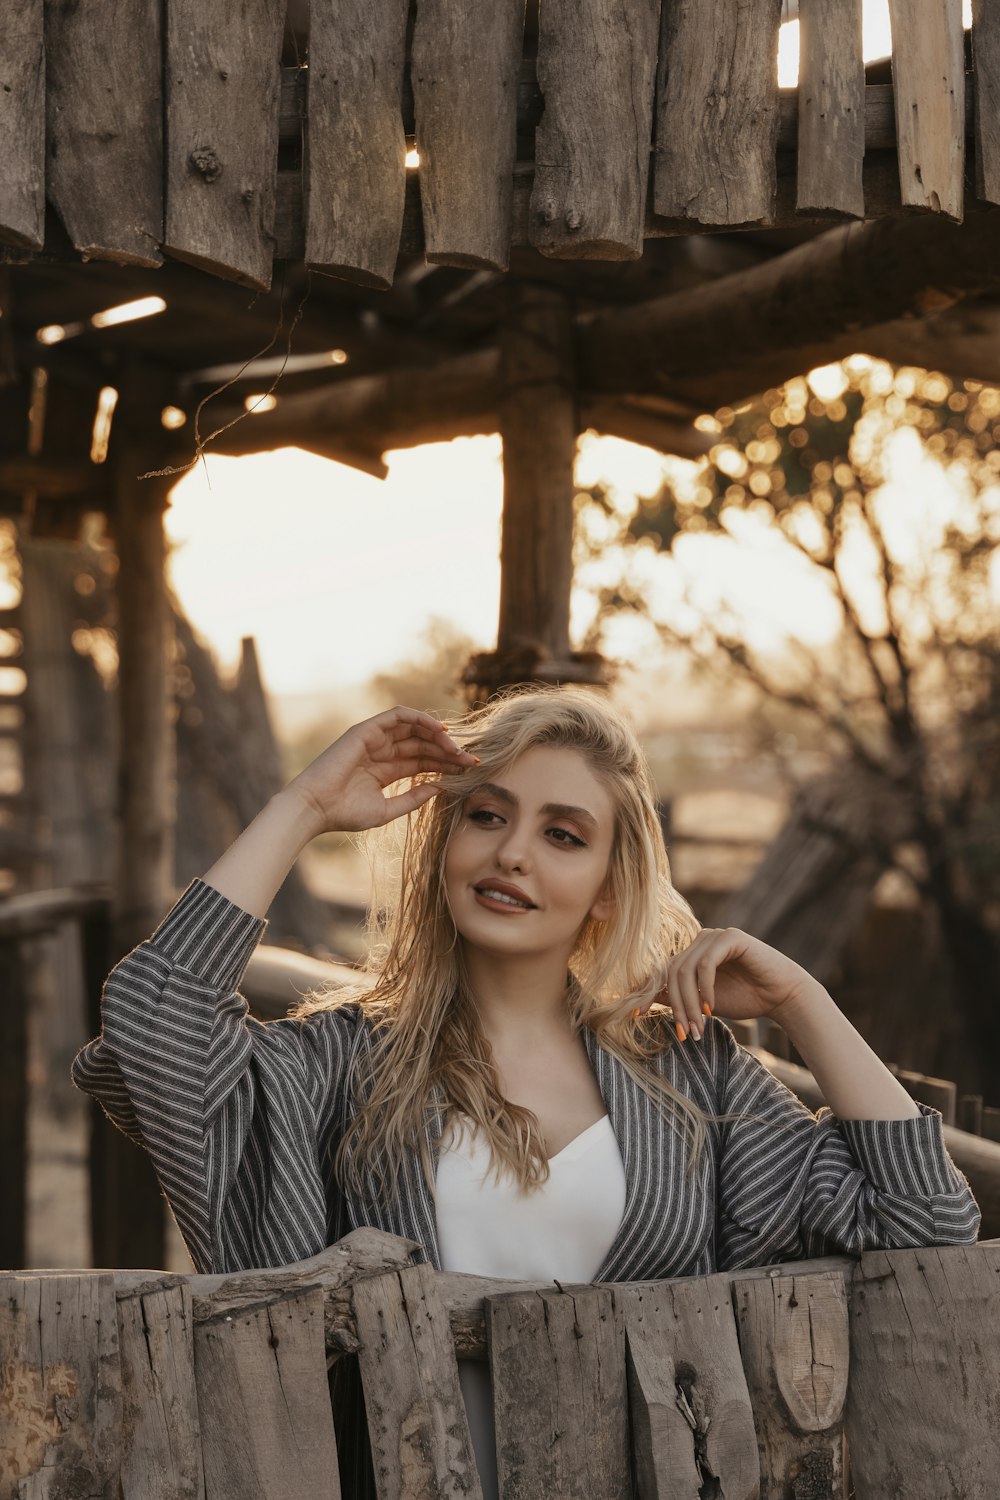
x=264, y=1402
x=104, y=116
x=831, y=108
x=13, y=1101
x=986, y=62
x=690, y=1408
x=22, y=124
x=592, y=145
x=559, y=1395
x=925, y=1374
x=223, y=83
x=61, y=1412
x=464, y=70
x=969, y=1113
x=717, y=111
x=416, y=1416
x=991, y=1122
x=794, y=1343
x=928, y=80
x=939, y=1093
x=353, y=170
x=156, y=1347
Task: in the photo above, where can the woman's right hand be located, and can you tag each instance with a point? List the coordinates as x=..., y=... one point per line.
x=344, y=787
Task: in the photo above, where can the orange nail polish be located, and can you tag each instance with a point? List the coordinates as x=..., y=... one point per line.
x=681, y=1036
x=706, y=1009
x=637, y=1012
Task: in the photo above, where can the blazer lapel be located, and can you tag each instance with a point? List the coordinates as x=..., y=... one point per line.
x=623, y=1096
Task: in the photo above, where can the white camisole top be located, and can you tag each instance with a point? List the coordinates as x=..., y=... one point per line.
x=561, y=1232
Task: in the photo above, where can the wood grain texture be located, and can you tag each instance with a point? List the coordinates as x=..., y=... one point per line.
x=928, y=80
x=61, y=1397
x=717, y=111
x=986, y=78
x=105, y=126
x=161, y=1436
x=559, y=1395
x=416, y=1416
x=222, y=84
x=464, y=71
x=22, y=124
x=264, y=1402
x=794, y=1343
x=692, y=1425
x=596, y=69
x=353, y=168
x=831, y=92
x=925, y=1374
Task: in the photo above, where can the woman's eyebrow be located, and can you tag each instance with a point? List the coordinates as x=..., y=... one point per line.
x=551, y=809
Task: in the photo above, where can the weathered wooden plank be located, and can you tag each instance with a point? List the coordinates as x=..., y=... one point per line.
x=692, y=1424
x=969, y=1113
x=794, y=1343
x=596, y=71
x=717, y=111
x=991, y=1122
x=22, y=124
x=939, y=1093
x=559, y=1395
x=222, y=83
x=104, y=117
x=925, y=1374
x=61, y=1400
x=464, y=70
x=161, y=1437
x=353, y=167
x=416, y=1416
x=13, y=1100
x=264, y=1402
x=928, y=80
x=831, y=126
x=986, y=77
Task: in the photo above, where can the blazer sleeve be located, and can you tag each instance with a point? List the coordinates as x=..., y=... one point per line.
x=234, y=1112
x=793, y=1185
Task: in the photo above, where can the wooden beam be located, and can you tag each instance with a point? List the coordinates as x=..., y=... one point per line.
x=464, y=68
x=538, y=426
x=353, y=166
x=22, y=125
x=717, y=112
x=831, y=121
x=223, y=81
x=593, y=142
x=986, y=56
x=928, y=84
x=104, y=120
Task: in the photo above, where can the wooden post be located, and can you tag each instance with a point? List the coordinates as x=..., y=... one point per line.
x=126, y=1207
x=538, y=424
x=13, y=1103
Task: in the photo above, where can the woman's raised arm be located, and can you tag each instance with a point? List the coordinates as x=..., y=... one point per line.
x=341, y=791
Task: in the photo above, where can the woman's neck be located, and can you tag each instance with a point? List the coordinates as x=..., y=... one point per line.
x=518, y=998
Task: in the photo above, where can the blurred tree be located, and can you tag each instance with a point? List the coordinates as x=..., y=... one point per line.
x=431, y=678
x=884, y=486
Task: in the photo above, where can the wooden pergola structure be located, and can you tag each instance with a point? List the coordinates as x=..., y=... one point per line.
x=611, y=226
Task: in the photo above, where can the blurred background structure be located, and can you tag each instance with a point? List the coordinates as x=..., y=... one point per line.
x=726, y=290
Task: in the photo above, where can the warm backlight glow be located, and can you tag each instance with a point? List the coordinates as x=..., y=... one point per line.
x=876, y=39
x=101, y=434
x=127, y=312
x=172, y=417
x=257, y=404
x=52, y=333
x=412, y=158
x=338, y=356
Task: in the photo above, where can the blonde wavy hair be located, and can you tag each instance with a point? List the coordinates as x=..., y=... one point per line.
x=415, y=989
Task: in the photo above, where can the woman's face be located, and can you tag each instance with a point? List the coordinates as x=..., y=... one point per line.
x=528, y=861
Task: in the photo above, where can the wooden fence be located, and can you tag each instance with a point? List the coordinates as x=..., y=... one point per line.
x=877, y=1378
x=580, y=140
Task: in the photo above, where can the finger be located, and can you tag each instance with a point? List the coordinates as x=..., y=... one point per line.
x=436, y=736
x=414, y=745
x=684, y=991
x=398, y=770
x=410, y=800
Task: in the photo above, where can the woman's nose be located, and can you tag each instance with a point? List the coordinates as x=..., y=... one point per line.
x=511, y=853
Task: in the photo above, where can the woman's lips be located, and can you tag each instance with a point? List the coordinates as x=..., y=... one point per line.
x=493, y=904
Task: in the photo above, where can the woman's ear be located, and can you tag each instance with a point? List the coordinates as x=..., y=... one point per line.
x=603, y=907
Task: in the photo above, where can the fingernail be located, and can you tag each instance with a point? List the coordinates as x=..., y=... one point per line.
x=637, y=1012
x=706, y=1009
x=696, y=1033
x=680, y=1031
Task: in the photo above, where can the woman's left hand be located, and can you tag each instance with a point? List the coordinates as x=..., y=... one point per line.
x=736, y=976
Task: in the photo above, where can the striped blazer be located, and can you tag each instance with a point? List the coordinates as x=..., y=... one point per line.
x=242, y=1118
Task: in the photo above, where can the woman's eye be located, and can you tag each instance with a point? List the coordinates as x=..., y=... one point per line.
x=563, y=836
x=483, y=815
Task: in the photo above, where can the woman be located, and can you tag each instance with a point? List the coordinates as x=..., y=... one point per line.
x=506, y=1088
